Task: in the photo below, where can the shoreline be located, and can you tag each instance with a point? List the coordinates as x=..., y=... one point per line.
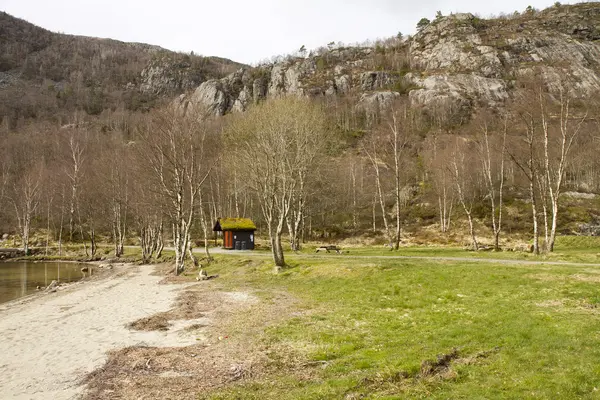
x=50, y=343
x=102, y=273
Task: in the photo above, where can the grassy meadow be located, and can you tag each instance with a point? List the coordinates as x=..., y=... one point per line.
x=396, y=329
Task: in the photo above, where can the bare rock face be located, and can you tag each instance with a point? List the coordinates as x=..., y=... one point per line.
x=376, y=80
x=244, y=100
x=378, y=101
x=164, y=76
x=287, y=77
x=259, y=89
x=559, y=59
x=454, y=45
x=457, y=94
x=219, y=96
x=343, y=84
x=458, y=63
x=464, y=62
x=212, y=95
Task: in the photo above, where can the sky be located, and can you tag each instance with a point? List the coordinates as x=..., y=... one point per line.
x=248, y=31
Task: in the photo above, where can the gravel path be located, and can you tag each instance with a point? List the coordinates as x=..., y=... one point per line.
x=47, y=344
x=400, y=257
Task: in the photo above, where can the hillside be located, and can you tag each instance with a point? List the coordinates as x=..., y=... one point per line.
x=455, y=73
x=457, y=63
x=45, y=74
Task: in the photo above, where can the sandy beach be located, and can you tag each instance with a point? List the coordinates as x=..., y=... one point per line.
x=50, y=342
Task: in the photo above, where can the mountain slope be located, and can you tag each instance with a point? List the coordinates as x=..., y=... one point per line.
x=457, y=63
x=43, y=73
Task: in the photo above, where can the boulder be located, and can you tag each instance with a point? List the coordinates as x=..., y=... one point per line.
x=378, y=101
x=52, y=287
x=375, y=80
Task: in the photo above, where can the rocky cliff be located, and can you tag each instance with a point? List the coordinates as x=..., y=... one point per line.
x=458, y=62
x=44, y=74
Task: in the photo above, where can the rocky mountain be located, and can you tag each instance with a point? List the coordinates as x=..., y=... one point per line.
x=43, y=74
x=457, y=62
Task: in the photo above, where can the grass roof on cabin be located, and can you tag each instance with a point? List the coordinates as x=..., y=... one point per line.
x=237, y=224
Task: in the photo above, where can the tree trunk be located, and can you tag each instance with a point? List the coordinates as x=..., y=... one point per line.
x=26, y=234
x=62, y=220
x=93, y=246
x=204, y=224
x=374, y=213
x=278, y=257
x=276, y=247
x=49, y=203
x=354, y=202
x=536, y=233
x=191, y=254
x=472, y=231
x=552, y=239
x=159, y=242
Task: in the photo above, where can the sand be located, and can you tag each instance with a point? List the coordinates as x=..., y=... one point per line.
x=49, y=343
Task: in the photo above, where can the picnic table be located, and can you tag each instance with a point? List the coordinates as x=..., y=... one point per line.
x=329, y=248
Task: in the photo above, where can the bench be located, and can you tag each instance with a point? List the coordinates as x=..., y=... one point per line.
x=329, y=248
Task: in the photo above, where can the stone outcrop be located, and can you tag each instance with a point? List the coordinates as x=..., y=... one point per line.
x=457, y=63
x=378, y=101
x=168, y=74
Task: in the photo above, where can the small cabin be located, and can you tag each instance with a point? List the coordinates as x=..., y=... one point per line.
x=238, y=233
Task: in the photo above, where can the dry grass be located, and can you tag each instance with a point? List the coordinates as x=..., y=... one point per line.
x=190, y=304
x=233, y=351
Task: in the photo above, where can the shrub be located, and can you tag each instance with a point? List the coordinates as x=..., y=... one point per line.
x=422, y=23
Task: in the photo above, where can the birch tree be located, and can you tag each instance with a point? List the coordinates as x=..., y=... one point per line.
x=26, y=199
x=493, y=170
x=465, y=183
x=115, y=165
x=25, y=168
x=557, y=149
x=437, y=156
x=385, y=149
x=175, y=150
x=274, y=146
x=74, y=164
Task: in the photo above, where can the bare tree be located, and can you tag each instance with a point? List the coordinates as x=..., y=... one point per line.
x=465, y=182
x=176, y=151
x=26, y=199
x=385, y=150
x=275, y=144
x=22, y=179
x=149, y=219
x=437, y=157
x=74, y=171
x=493, y=172
x=526, y=158
x=554, y=165
x=115, y=167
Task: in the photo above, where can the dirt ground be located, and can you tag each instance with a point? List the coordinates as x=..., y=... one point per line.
x=228, y=327
x=131, y=335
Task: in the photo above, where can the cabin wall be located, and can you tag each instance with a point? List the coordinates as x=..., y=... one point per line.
x=228, y=240
x=238, y=240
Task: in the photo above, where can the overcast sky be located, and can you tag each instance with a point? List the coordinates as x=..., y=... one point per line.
x=245, y=30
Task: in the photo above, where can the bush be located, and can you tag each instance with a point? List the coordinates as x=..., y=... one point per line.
x=423, y=22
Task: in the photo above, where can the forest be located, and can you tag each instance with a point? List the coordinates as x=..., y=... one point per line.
x=303, y=170
x=348, y=144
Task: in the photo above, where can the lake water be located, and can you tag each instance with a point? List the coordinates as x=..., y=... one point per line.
x=18, y=279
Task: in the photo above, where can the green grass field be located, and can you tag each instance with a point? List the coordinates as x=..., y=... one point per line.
x=582, y=249
x=366, y=325
x=374, y=328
